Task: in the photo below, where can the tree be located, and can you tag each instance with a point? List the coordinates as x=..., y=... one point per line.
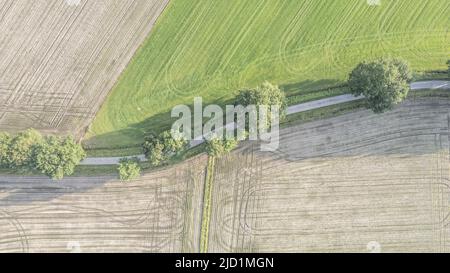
x=5, y=142
x=21, y=147
x=159, y=150
x=129, y=169
x=173, y=145
x=218, y=147
x=156, y=154
x=384, y=83
x=154, y=150
x=57, y=157
x=266, y=94
x=52, y=156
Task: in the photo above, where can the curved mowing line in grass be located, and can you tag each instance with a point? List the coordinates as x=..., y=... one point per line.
x=213, y=48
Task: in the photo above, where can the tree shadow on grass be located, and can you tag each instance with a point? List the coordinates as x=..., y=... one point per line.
x=310, y=86
x=133, y=135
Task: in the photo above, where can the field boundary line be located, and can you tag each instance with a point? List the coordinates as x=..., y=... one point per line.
x=207, y=205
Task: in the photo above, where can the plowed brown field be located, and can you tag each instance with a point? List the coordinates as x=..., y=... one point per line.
x=160, y=212
x=360, y=182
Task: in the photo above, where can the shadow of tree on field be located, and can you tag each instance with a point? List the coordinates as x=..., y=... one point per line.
x=311, y=86
x=16, y=190
x=134, y=134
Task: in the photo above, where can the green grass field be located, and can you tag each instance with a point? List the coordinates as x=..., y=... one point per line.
x=212, y=48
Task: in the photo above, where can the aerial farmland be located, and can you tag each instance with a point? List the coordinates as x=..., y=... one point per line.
x=214, y=48
x=60, y=58
x=357, y=91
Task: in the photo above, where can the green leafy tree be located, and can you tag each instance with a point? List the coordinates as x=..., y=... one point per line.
x=218, y=147
x=156, y=154
x=21, y=147
x=153, y=150
x=266, y=94
x=57, y=157
x=129, y=169
x=159, y=150
x=5, y=142
x=384, y=83
x=173, y=145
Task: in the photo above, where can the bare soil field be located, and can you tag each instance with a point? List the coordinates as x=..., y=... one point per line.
x=158, y=213
x=59, y=58
x=355, y=183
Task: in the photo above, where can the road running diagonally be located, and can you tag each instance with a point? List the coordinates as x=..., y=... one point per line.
x=299, y=108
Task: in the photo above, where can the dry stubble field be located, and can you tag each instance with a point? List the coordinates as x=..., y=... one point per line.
x=59, y=58
x=158, y=213
x=356, y=183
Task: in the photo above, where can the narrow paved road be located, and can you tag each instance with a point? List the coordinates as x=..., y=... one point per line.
x=307, y=106
x=303, y=107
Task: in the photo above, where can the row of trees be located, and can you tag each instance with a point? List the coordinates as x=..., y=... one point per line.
x=29, y=150
x=384, y=83
x=266, y=94
x=162, y=148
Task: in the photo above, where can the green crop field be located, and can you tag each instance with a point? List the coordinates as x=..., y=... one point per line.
x=212, y=48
